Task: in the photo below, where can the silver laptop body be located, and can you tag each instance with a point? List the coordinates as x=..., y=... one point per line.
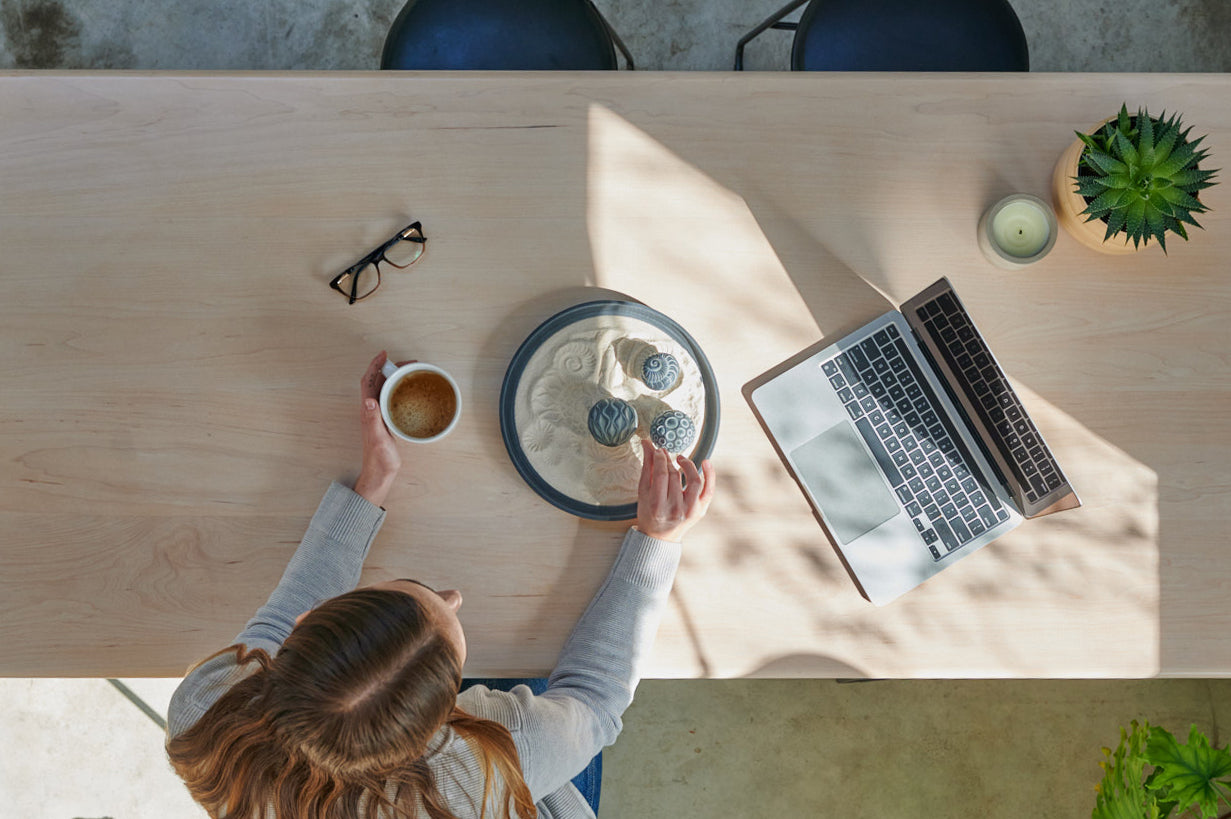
x=910, y=444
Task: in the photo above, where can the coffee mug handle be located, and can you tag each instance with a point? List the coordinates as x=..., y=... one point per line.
x=389, y=369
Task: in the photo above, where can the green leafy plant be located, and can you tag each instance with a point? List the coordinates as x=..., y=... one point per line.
x=1140, y=175
x=1186, y=780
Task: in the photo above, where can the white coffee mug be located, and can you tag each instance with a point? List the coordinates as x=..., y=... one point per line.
x=394, y=376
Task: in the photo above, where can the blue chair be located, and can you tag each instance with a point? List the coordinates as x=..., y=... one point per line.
x=515, y=35
x=901, y=35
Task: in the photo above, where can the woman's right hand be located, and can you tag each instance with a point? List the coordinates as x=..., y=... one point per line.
x=670, y=501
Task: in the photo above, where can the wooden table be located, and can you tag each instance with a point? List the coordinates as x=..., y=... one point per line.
x=180, y=384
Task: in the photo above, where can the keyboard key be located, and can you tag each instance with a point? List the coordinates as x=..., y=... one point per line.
x=946, y=534
x=976, y=527
x=959, y=529
x=918, y=524
x=869, y=348
x=987, y=515
x=876, y=417
x=882, y=338
x=845, y=395
x=854, y=410
x=869, y=405
x=848, y=369
x=914, y=509
x=892, y=445
x=888, y=467
x=904, y=494
x=897, y=365
x=903, y=460
x=858, y=358
x=926, y=470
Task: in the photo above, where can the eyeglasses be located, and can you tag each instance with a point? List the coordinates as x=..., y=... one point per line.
x=361, y=279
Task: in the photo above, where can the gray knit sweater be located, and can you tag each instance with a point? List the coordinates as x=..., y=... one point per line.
x=555, y=733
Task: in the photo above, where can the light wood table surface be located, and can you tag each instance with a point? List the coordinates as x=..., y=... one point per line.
x=180, y=385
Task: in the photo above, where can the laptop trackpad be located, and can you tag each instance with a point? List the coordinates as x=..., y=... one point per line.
x=845, y=482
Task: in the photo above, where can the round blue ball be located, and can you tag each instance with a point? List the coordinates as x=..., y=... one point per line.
x=660, y=371
x=673, y=430
x=612, y=421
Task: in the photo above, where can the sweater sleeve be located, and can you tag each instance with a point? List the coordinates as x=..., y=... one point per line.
x=559, y=731
x=327, y=563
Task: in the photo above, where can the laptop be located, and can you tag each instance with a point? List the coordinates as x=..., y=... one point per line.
x=910, y=443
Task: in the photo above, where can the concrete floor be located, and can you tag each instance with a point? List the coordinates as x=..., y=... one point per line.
x=78, y=748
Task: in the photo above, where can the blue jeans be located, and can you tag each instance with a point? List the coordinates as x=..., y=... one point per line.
x=590, y=780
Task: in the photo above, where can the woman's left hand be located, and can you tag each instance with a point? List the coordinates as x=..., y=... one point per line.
x=381, y=459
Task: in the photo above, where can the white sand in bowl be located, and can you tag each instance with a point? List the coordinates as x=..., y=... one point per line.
x=595, y=358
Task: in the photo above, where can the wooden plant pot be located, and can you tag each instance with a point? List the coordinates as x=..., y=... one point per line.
x=1069, y=205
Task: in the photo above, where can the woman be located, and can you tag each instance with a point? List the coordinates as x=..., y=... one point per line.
x=340, y=703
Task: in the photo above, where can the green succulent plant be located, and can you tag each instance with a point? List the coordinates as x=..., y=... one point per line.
x=1140, y=175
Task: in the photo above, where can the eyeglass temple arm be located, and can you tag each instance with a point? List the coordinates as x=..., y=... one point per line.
x=773, y=21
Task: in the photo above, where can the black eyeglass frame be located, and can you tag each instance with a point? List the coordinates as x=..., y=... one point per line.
x=375, y=258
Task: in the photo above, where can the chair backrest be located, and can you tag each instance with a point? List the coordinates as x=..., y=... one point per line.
x=520, y=35
x=910, y=35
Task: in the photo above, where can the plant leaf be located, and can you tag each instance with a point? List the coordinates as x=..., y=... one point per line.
x=1106, y=163
x=1189, y=772
x=1121, y=793
x=1094, y=185
x=1135, y=220
x=1127, y=152
x=1115, y=224
x=1166, y=139
x=1180, y=158
x=1145, y=145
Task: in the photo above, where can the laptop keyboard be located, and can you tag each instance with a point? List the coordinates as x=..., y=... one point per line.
x=896, y=413
x=989, y=391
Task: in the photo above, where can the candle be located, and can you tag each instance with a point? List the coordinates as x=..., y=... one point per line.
x=1017, y=231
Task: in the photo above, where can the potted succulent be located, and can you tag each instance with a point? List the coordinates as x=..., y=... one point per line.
x=1134, y=176
x=1185, y=780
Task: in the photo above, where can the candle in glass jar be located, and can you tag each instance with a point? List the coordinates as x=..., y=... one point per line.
x=1017, y=231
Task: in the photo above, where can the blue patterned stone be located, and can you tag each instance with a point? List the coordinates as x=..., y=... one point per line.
x=673, y=430
x=612, y=421
x=660, y=371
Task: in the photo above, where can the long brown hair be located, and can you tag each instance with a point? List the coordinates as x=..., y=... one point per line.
x=340, y=720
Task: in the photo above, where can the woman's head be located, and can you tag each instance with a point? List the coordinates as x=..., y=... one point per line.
x=366, y=679
x=346, y=709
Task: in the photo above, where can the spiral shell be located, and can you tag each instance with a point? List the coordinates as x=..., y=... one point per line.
x=673, y=430
x=660, y=371
x=612, y=421
x=576, y=359
x=538, y=437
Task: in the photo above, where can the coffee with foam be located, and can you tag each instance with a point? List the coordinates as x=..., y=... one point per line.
x=423, y=404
